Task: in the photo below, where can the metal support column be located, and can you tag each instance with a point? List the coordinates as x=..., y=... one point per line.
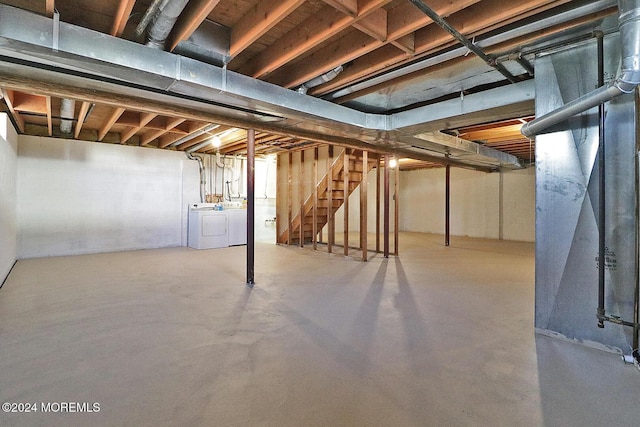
x=251, y=206
x=378, y=204
x=447, y=210
x=396, y=209
x=601, y=192
x=385, y=214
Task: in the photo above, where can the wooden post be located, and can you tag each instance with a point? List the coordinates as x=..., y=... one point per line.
x=331, y=231
x=396, y=220
x=345, y=181
x=301, y=196
x=364, y=184
x=378, y=204
x=314, y=239
x=251, y=205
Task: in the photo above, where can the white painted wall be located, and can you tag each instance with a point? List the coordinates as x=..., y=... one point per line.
x=8, y=174
x=77, y=197
x=477, y=207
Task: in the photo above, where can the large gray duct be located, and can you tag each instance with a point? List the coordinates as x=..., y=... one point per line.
x=626, y=81
x=163, y=22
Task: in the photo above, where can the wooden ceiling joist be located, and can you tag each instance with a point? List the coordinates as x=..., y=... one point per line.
x=261, y=18
x=170, y=124
x=348, y=7
x=312, y=32
x=108, y=124
x=122, y=16
x=84, y=110
x=143, y=120
x=193, y=15
x=49, y=7
x=8, y=96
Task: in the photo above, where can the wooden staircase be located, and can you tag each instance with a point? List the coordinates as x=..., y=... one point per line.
x=326, y=197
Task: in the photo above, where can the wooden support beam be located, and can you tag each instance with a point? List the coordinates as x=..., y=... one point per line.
x=364, y=184
x=345, y=181
x=396, y=216
x=261, y=18
x=170, y=124
x=378, y=204
x=344, y=50
x=122, y=16
x=194, y=13
x=374, y=25
x=9, y=97
x=290, y=199
x=348, y=7
x=317, y=29
x=113, y=118
x=406, y=43
x=331, y=229
x=301, y=198
x=49, y=116
x=144, y=119
x=82, y=115
x=315, y=199
x=49, y=8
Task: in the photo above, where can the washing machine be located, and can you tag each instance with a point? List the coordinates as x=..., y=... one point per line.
x=237, y=226
x=208, y=227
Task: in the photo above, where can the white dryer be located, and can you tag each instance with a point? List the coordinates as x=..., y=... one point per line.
x=208, y=227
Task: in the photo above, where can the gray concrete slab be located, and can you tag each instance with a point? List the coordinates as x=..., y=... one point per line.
x=172, y=337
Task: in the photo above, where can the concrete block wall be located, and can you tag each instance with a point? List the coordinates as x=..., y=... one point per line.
x=8, y=174
x=485, y=205
x=76, y=197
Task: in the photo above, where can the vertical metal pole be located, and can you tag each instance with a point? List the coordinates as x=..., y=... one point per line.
x=345, y=182
x=278, y=202
x=601, y=200
x=289, y=199
x=378, y=204
x=301, y=197
x=636, y=294
x=447, y=206
x=385, y=233
x=364, y=184
x=314, y=240
x=251, y=169
x=396, y=216
x=331, y=231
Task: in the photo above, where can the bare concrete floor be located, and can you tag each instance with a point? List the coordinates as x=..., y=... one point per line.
x=172, y=337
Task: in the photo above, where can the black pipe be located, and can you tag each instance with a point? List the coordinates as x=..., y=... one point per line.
x=447, y=205
x=462, y=39
x=251, y=192
x=601, y=198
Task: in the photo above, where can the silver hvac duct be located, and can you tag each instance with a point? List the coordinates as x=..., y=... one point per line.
x=626, y=81
x=317, y=81
x=163, y=21
x=67, y=113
